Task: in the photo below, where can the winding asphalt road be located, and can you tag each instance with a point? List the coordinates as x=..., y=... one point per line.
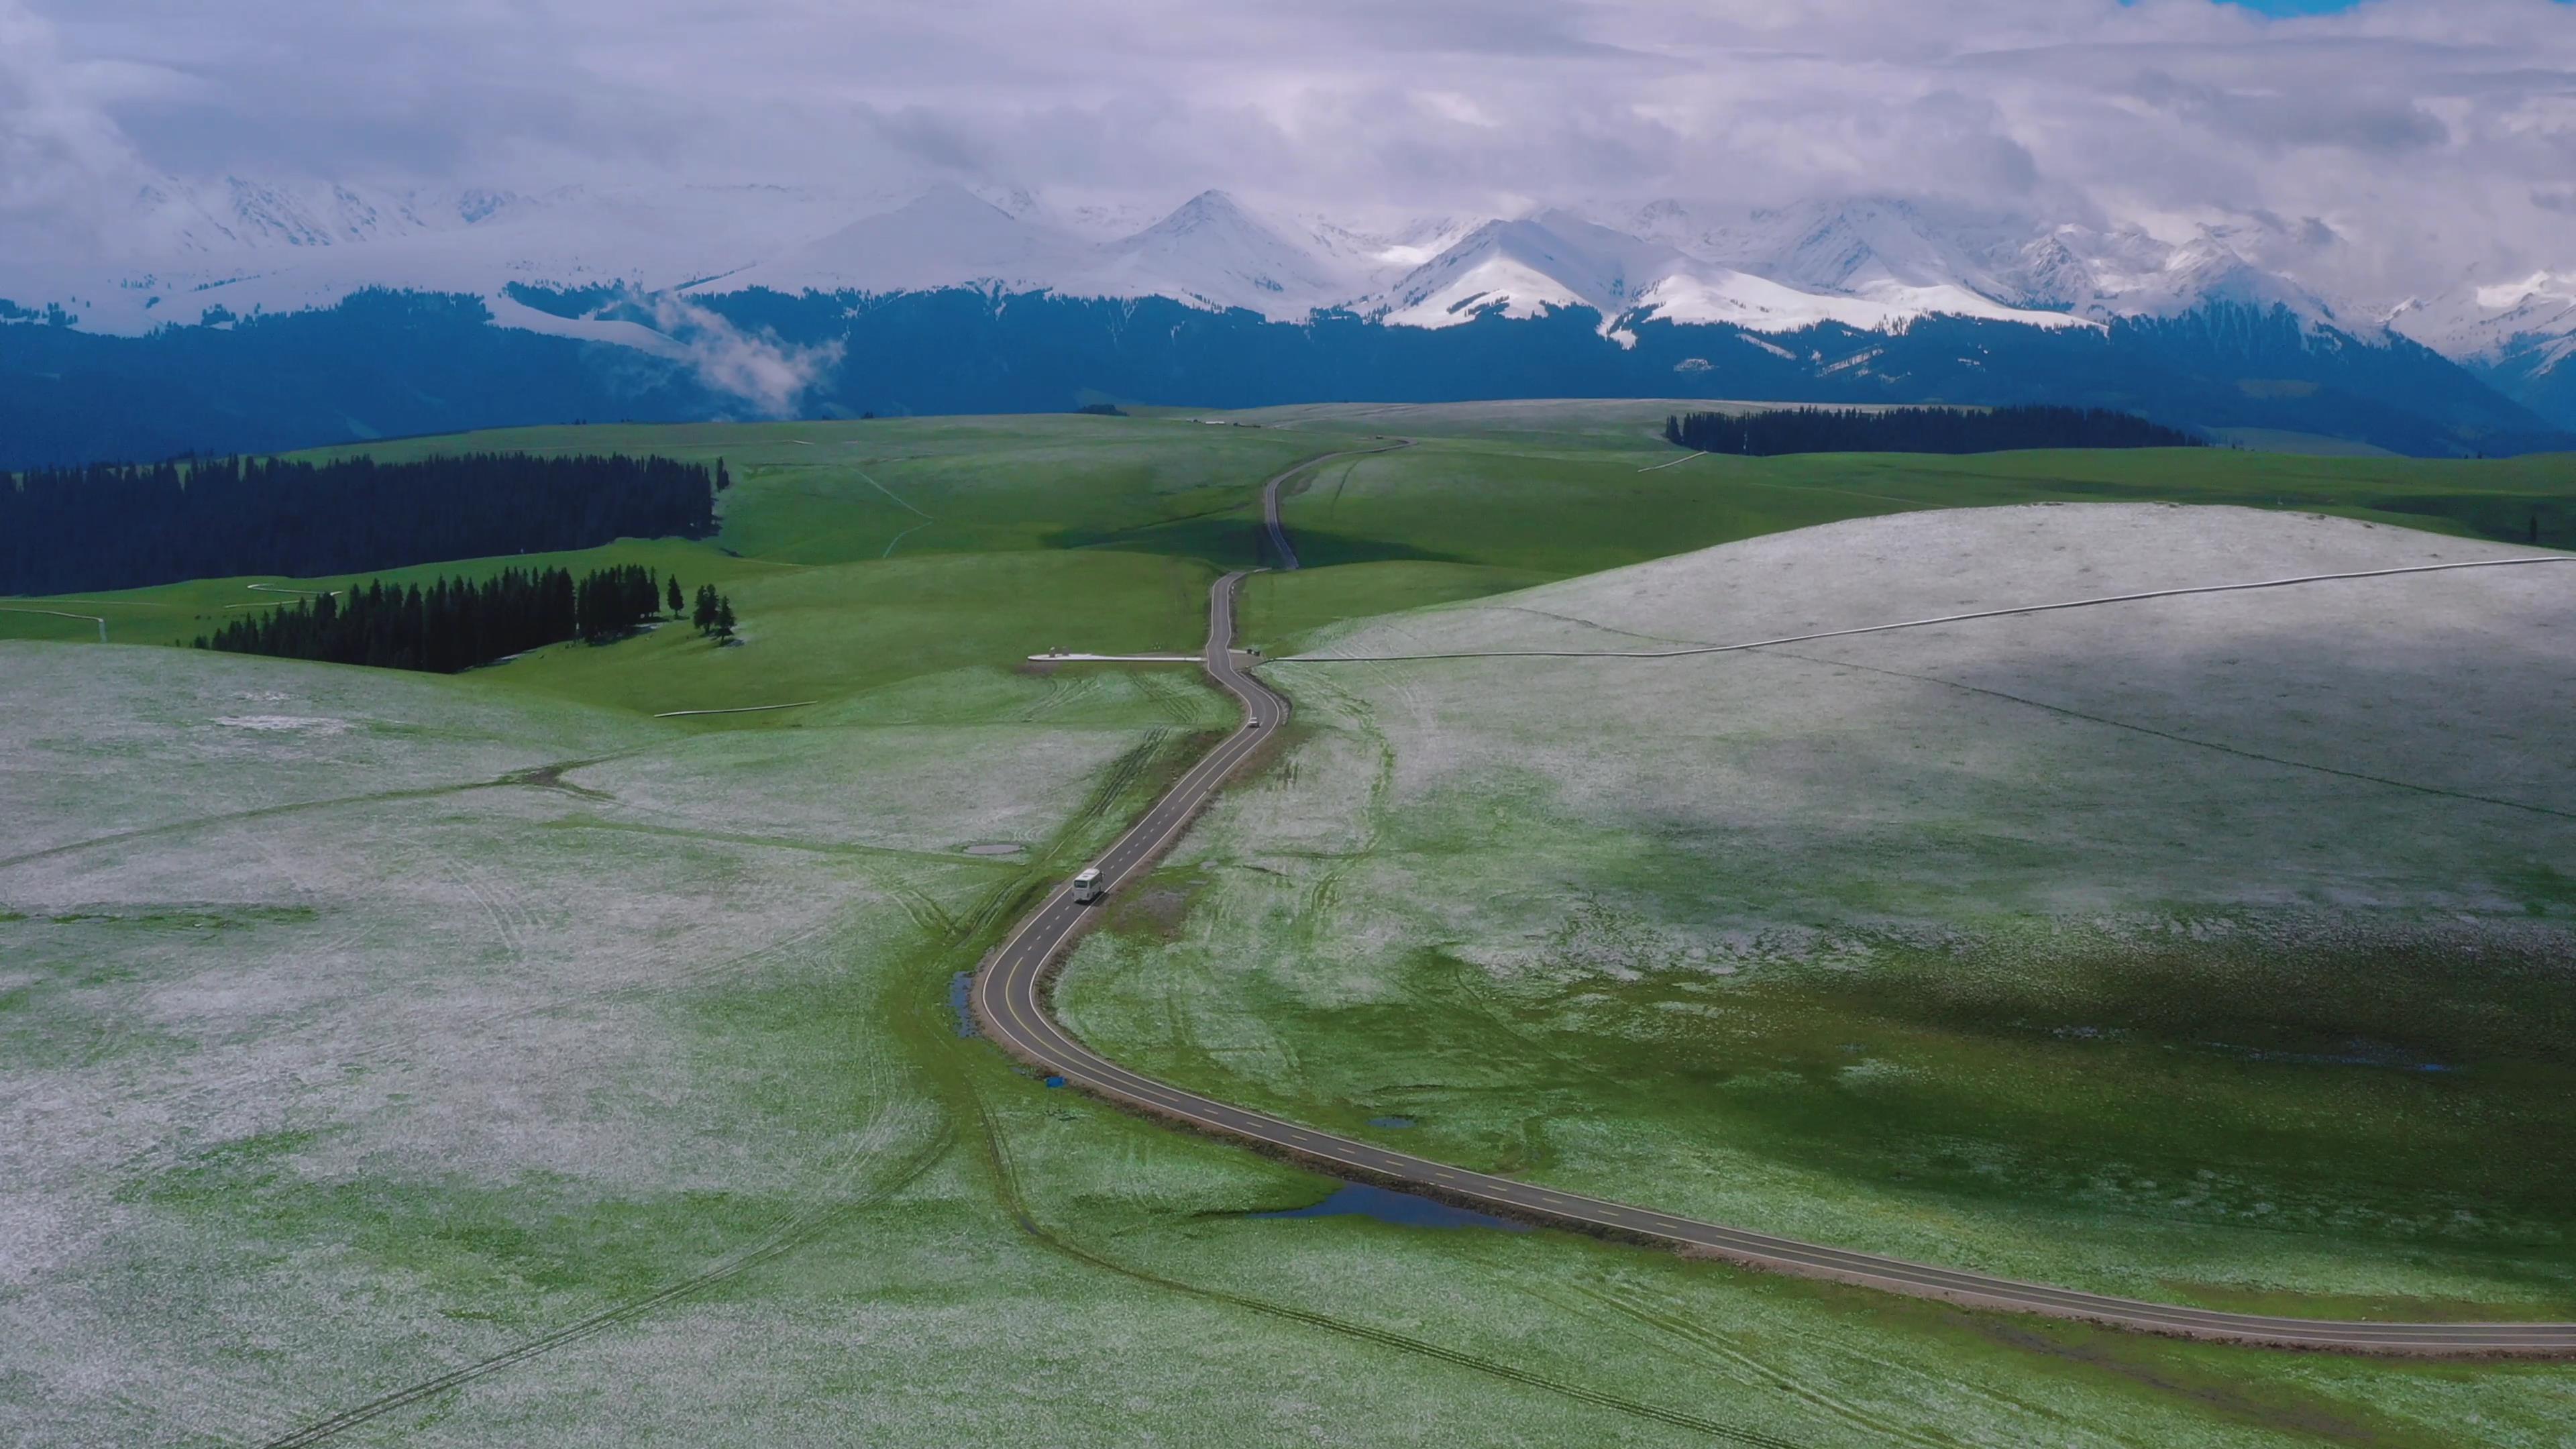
x=1010, y=1000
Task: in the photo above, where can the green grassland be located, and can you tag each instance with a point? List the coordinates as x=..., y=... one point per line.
x=2217, y=952
x=488, y=1013
x=1492, y=497
x=356, y=1026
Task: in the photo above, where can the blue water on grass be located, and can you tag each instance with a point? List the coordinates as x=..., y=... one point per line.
x=960, y=987
x=1390, y=1121
x=1358, y=1199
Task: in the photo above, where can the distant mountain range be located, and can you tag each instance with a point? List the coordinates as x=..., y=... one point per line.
x=240, y=315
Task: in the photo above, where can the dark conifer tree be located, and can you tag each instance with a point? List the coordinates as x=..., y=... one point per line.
x=111, y=527
x=1918, y=430
x=450, y=625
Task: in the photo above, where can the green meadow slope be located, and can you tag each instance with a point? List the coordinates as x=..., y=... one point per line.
x=2212, y=948
x=357, y=1027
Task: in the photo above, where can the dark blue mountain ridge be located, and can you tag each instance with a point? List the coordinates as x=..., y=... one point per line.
x=387, y=363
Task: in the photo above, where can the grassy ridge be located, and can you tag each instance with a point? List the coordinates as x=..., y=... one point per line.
x=1555, y=505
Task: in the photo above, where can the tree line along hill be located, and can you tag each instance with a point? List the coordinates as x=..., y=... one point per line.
x=1777, y=431
x=116, y=526
x=455, y=625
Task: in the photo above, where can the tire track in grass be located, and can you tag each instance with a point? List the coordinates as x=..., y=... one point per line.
x=928, y=916
x=855, y=850
x=2180, y=739
x=1123, y=772
x=2060, y=1428
x=541, y=777
x=1006, y=1182
x=900, y=502
x=1178, y=701
x=795, y=1234
x=1659, y=1323
x=1036, y=873
x=2013, y=611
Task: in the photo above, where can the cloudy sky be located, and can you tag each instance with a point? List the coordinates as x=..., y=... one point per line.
x=2419, y=141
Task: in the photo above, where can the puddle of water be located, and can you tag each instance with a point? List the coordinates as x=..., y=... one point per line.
x=960, y=987
x=1397, y=1122
x=997, y=848
x=1358, y=1199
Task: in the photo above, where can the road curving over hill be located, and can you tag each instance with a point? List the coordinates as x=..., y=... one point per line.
x=1010, y=999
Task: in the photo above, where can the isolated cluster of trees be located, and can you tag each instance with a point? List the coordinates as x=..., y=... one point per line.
x=1918, y=430
x=711, y=612
x=113, y=526
x=457, y=624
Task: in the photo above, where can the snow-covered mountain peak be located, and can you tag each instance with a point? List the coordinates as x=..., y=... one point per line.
x=2207, y=270
x=1558, y=259
x=2531, y=317
x=952, y=207
x=236, y=217
x=1522, y=267
x=1870, y=243
x=946, y=236
x=1209, y=210
x=1213, y=251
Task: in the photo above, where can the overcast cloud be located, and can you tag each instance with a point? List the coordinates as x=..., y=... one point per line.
x=2408, y=142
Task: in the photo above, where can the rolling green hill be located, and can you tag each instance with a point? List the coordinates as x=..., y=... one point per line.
x=1493, y=496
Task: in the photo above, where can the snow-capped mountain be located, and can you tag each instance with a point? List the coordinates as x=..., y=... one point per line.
x=1558, y=259
x=1867, y=299
x=1522, y=268
x=1872, y=263
x=233, y=248
x=235, y=216
x=2520, y=335
x=2534, y=315
x=1210, y=252
x=945, y=237
x=1213, y=251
